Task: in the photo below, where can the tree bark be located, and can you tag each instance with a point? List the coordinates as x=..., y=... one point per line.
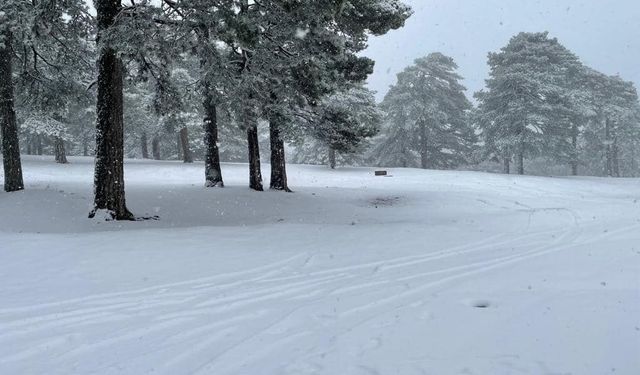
x=520, y=163
x=39, y=144
x=255, y=175
x=332, y=158
x=424, y=161
x=278, y=163
x=85, y=147
x=109, y=192
x=8, y=127
x=212, y=170
x=616, y=159
x=187, y=157
x=574, y=149
x=520, y=156
x=178, y=146
x=143, y=144
x=59, y=151
x=155, y=147
x=608, y=148
x=506, y=166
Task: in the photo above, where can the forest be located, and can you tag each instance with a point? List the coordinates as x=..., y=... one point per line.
x=236, y=81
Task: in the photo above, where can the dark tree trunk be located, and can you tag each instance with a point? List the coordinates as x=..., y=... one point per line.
x=633, y=164
x=608, y=148
x=8, y=126
x=574, y=149
x=212, y=170
x=332, y=158
x=38, y=144
x=30, y=145
x=155, y=147
x=520, y=156
x=424, y=161
x=144, y=145
x=255, y=176
x=109, y=170
x=506, y=166
x=520, y=163
x=85, y=147
x=278, y=164
x=616, y=159
x=59, y=151
x=184, y=143
x=178, y=146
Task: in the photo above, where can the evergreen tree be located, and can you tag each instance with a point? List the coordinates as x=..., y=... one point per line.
x=518, y=112
x=346, y=120
x=427, y=115
x=613, y=123
x=109, y=192
x=8, y=126
x=48, y=39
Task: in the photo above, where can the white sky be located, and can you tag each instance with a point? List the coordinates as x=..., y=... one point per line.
x=605, y=34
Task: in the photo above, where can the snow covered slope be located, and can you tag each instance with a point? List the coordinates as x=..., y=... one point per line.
x=425, y=272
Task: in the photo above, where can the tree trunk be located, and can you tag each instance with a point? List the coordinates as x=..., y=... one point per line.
x=155, y=147
x=520, y=163
x=332, y=158
x=423, y=146
x=8, y=126
x=616, y=159
x=143, y=144
x=212, y=170
x=520, y=156
x=85, y=147
x=39, y=144
x=278, y=164
x=255, y=176
x=178, y=146
x=30, y=145
x=574, y=150
x=59, y=151
x=608, y=149
x=184, y=143
x=506, y=167
x=109, y=170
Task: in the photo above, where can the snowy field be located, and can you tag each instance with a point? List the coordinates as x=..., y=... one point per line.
x=424, y=272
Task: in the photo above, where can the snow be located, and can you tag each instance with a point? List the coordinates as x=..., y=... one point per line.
x=425, y=272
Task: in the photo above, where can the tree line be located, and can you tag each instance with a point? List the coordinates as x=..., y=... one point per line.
x=194, y=79
x=540, y=101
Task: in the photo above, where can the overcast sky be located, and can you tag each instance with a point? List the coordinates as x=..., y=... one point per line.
x=605, y=34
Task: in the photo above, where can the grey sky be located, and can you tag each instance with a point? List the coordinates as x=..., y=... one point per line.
x=605, y=34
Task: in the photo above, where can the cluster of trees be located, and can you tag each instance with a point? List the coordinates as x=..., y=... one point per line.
x=540, y=101
x=194, y=79
x=165, y=68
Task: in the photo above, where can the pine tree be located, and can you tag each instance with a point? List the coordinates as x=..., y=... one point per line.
x=346, y=121
x=518, y=110
x=427, y=115
x=614, y=104
x=109, y=192
x=299, y=58
x=8, y=126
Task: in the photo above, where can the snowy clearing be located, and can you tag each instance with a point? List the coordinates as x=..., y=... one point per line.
x=424, y=272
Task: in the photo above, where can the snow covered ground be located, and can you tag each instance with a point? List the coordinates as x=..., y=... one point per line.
x=425, y=272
